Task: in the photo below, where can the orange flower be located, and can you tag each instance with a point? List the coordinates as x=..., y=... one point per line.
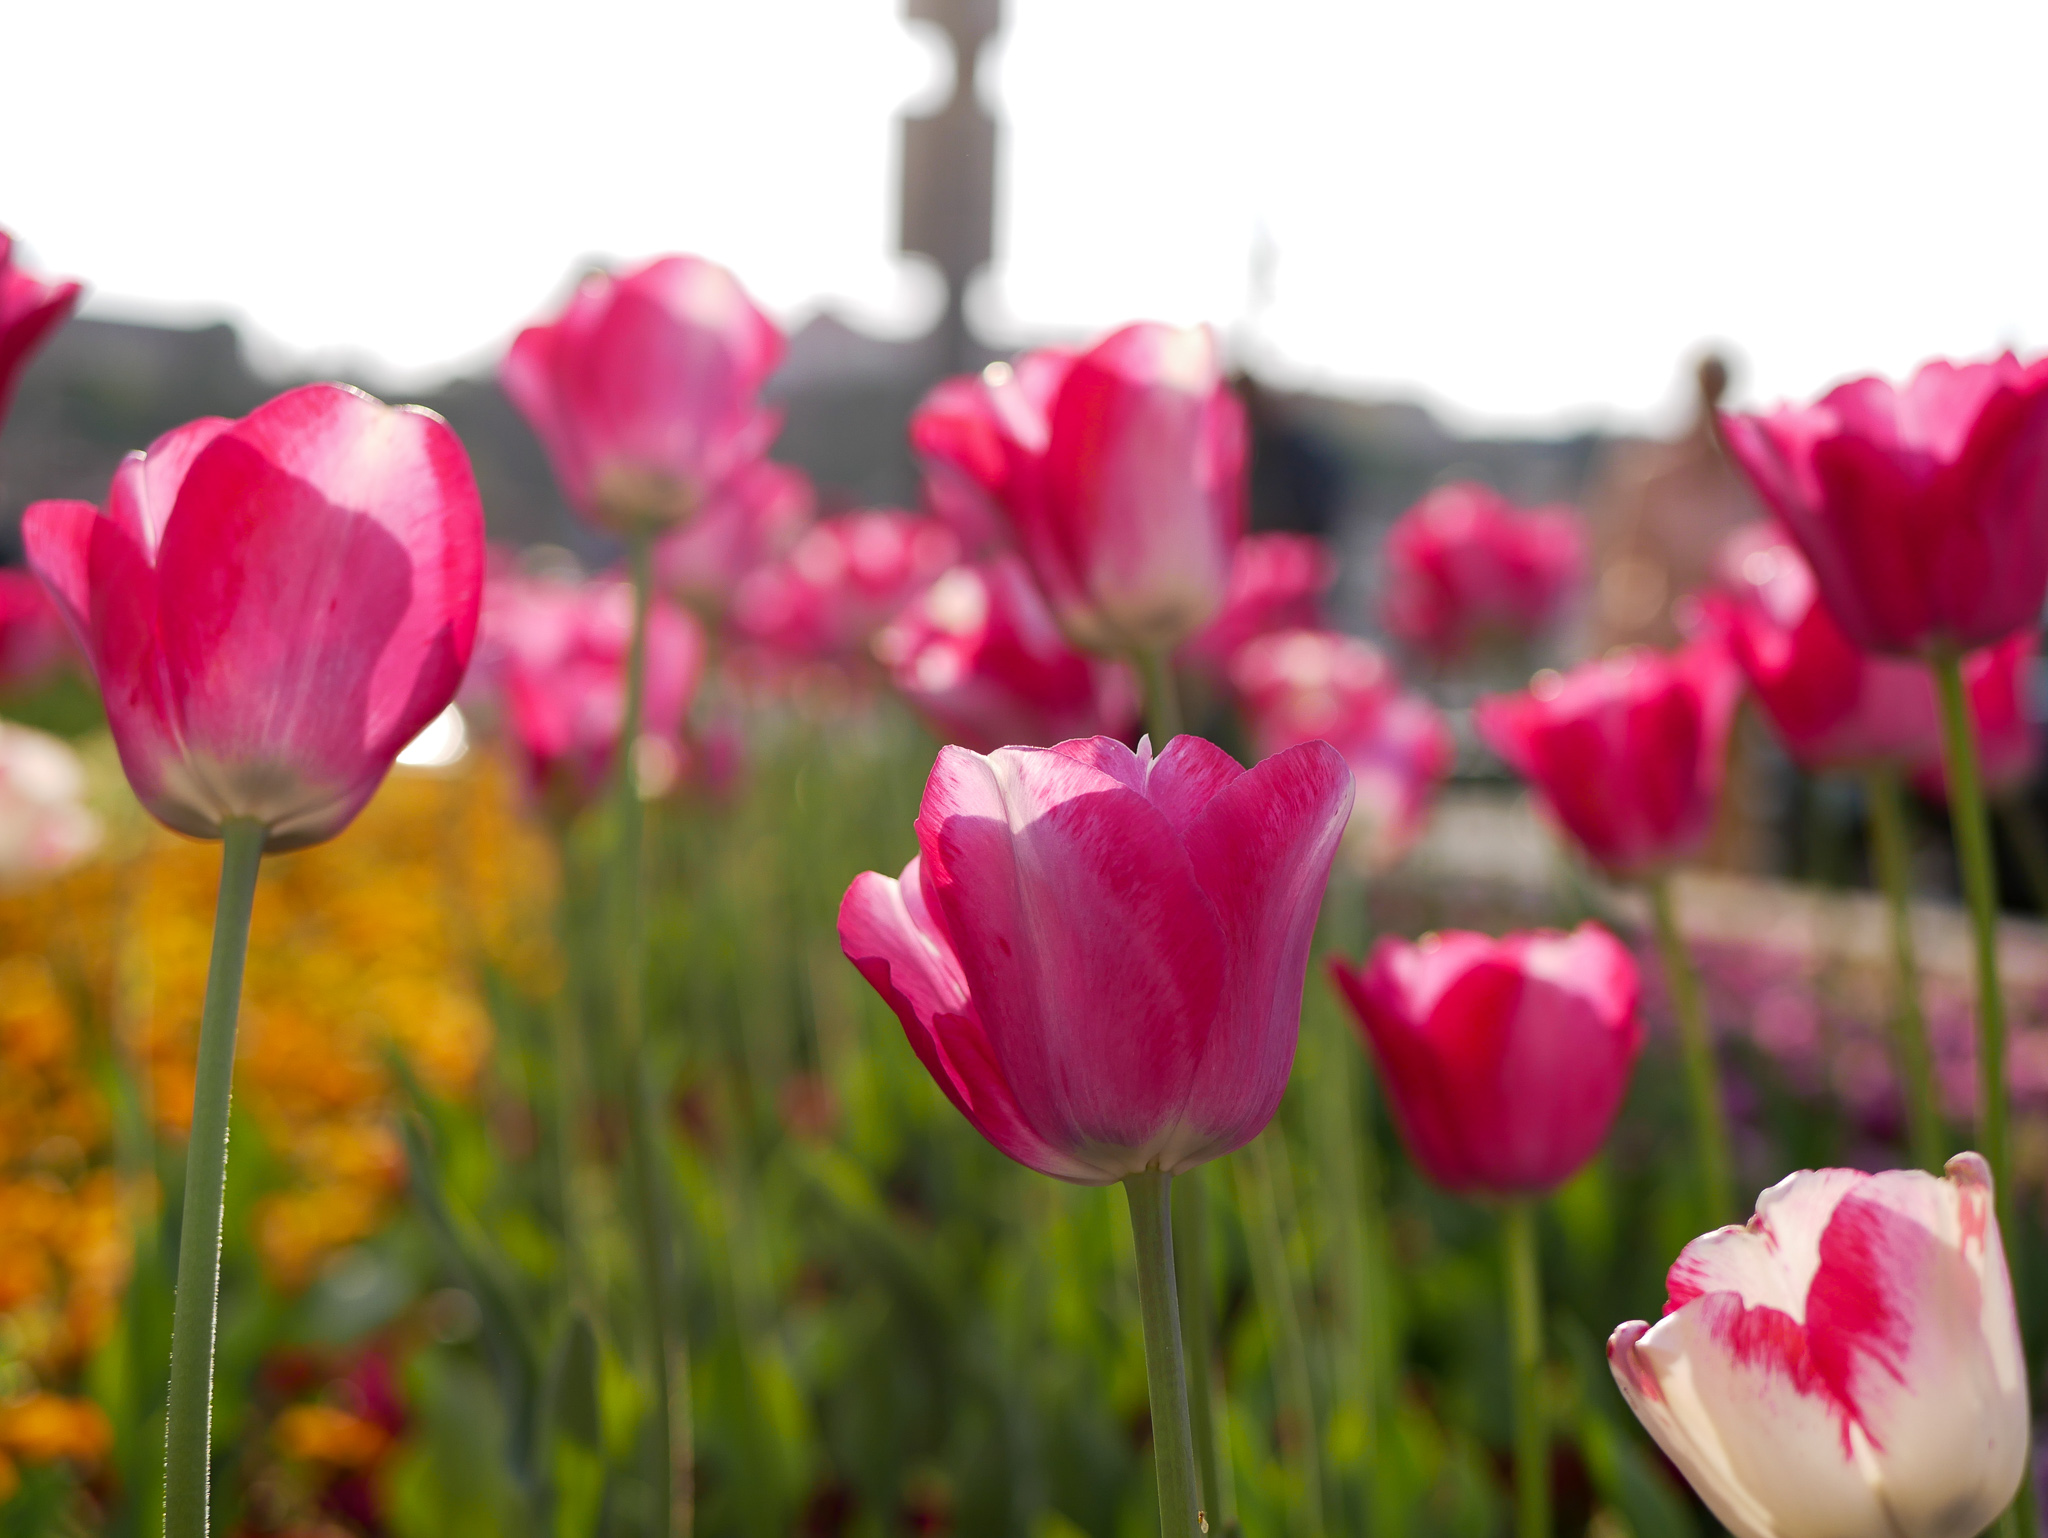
x=45, y=1427
x=318, y=1433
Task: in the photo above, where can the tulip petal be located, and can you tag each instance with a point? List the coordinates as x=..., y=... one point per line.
x=58, y=538
x=145, y=487
x=1186, y=779
x=1261, y=848
x=1081, y=931
x=327, y=557
x=887, y=934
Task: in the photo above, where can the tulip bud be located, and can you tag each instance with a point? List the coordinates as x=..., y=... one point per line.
x=1465, y=566
x=646, y=390
x=1098, y=954
x=273, y=607
x=1505, y=1060
x=980, y=659
x=1626, y=754
x=1923, y=507
x=31, y=308
x=1846, y=1365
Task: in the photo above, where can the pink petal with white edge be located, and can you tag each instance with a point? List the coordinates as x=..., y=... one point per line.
x=1095, y=958
x=887, y=932
x=1262, y=847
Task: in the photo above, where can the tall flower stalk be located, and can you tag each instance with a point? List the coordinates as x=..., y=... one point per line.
x=196, y=1309
x=1696, y=1046
x=1525, y=1345
x=1173, y=1442
x=1909, y=1023
x=669, y=1465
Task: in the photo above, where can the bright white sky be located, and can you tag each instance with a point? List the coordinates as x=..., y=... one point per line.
x=1527, y=214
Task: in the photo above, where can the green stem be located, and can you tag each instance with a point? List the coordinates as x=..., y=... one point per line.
x=1971, y=823
x=1191, y=1271
x=1915, y=1063
x=1525, y=1338
x=1274, y=1287
x=1173, y=1441
x=1702, y=1076
x=195, y=1310
x=1972, y=826
x=669, y=1467
x=1162, y=697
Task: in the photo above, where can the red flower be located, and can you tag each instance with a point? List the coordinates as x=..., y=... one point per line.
x=1505, y=1060
x=753, y=520
x=1098, y=954
x=971, y=432
x=1465, y=566
x=646, y=390
x=841, y=582
x=983, y=662
x=273, y=607
x=30, y=309
x=1277, y=582
x=1626, y=754
x=1923, y=508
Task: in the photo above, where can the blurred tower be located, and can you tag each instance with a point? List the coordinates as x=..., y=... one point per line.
x=949, y=174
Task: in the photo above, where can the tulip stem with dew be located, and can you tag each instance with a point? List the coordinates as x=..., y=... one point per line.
x=1191, y=1272
x=196, y=1306
x=1971, y=822
x=1525, y=1342
x=1702, y=1075
x=1162, y=696
x=669, y=1466
x=1173, y=1439
x=1915, y=1062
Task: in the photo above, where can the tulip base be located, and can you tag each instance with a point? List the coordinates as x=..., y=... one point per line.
x=1173, y=1442
x=196, y=1305
x=1915, y=1063
x=1702, y=1075
x=1525, y=1344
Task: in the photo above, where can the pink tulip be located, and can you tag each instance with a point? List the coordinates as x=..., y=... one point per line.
x=844, y=580
x=1130, y=518
x=557, y=650
x=1847, y=1365
x=1626, y=754
x=1505, y=1060
x=973, y=431
x=30, y=309
x=1301, y=685
x=982, y=661
x=273, y=607
x=34, y=641
x=1465, y=567
x=1923, y=508
x=1836, y=706
x=1277, y=582
x=646, y=390
x=753, y=520
x=1098, y=954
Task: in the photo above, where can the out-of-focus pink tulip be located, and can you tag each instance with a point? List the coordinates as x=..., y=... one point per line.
x=1304, y=685
x=973, y=431
x=1847, y=1365
x=646, y=390
x=45, y=825
x=1465, y=566
x=1836, y=706
x=754, y=519
x=30, y=309
x=1099, y=954
x=1627, y=754
x=983, y=662
x=844, y=580
x=1923, y=508
x=1130, y=517
x=1277, y=582
x=1999, y=680
x=557, y=650
x=33, y=639
x=273, y=607
x=1505, y=1060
